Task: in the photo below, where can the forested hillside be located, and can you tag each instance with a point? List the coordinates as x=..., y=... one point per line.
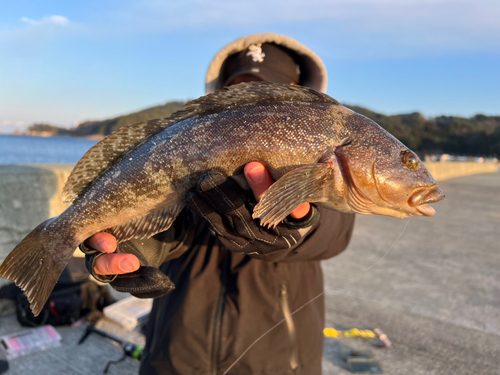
x=106, y=127
x=475, y=136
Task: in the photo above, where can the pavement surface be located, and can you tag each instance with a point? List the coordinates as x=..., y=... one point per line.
x=431, y=284
x=435, y=293
x=89, y=358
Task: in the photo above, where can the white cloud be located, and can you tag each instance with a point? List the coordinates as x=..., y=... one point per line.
x=30, y=36
x=54, y=20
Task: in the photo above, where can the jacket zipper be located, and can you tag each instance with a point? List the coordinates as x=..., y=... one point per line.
x=216, y=338
x=290, y=325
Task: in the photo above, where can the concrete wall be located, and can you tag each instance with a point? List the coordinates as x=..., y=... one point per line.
x=28, y=196
x=444, y=171
x=32, y=194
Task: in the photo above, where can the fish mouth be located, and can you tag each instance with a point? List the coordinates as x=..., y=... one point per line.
x=417, y=204
x=420, y=199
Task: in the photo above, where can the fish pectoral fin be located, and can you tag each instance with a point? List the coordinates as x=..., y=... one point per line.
x=303, y=184
x=148, y=225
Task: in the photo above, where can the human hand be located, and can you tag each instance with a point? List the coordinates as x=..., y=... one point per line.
x=111, y=263
x=226, y=208
x=124, y=271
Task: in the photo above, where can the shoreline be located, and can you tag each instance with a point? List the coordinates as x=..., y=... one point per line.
x=91, y=137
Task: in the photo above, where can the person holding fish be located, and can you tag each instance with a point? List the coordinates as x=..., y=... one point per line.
x=225, y=300
x=224, y=210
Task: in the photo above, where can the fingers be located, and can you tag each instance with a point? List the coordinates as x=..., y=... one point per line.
x=301, y=212
x=104, y=242
x=260, y=180
x=116, y=264
x=111, y=264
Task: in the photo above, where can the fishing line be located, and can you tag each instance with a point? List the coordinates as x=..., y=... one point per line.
x=387, y=252
x=269, y=330
x=308, y=302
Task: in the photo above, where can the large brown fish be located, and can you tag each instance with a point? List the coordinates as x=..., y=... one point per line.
x=133, y=183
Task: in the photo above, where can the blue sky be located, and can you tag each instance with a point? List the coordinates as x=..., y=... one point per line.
x=64, y=62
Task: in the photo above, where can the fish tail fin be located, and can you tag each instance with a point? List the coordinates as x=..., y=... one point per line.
x=34, y=267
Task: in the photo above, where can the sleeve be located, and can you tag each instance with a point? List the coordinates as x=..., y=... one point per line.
x=327, y=238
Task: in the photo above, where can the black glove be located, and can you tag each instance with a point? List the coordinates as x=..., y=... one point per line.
x=148, y=281
x=228, y=210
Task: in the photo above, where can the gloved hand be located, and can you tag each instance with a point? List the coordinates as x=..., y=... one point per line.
x=227, y=208
x=145, y=282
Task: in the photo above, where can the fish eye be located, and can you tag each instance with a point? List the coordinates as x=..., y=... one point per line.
x=410, y=160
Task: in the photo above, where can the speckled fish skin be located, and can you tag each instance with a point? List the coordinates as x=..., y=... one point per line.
x=316, y=149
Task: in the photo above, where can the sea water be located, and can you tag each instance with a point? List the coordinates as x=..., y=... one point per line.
x=21, y=149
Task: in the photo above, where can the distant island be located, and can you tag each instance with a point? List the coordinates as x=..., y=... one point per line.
x=100, y=129
x=475, y=136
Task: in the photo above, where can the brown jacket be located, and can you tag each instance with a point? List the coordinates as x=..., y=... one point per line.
x=233, y=314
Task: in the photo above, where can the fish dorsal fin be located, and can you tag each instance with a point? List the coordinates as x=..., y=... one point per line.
x=249, y=93
x=102, y=154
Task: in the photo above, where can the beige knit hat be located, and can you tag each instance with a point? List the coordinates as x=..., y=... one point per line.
x=312, y=70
